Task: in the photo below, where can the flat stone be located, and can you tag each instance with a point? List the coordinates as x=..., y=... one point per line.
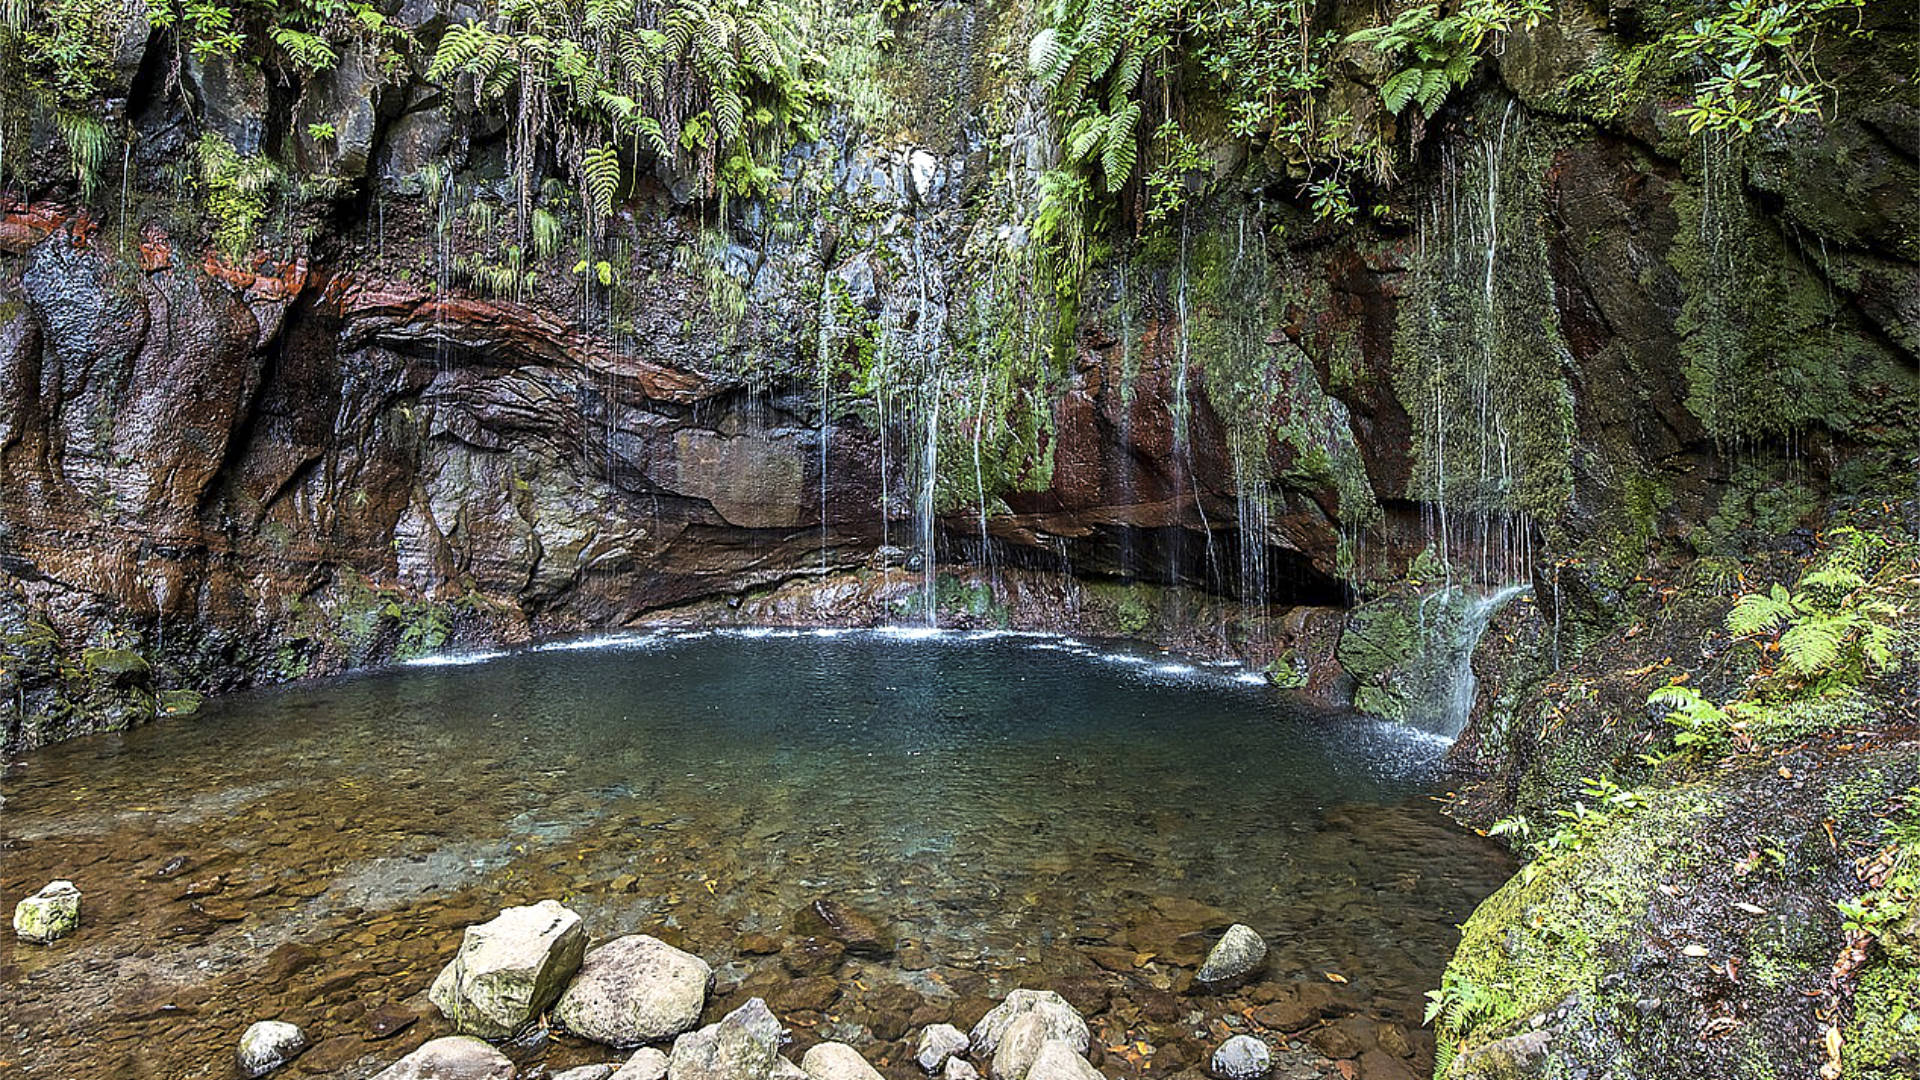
x=510, y=969
x=267, y=1045
x=635, y=989
x=1286, y=1015
x=457, y=1057
x=861, y=934
x=48, y=915
x=585, y=1072
x=389, y=1020
x=837, y=1061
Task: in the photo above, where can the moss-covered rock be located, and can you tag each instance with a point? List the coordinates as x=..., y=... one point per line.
x=1691, y=931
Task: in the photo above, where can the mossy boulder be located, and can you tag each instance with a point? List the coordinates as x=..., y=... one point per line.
x=1692, y=935
x=121, y=665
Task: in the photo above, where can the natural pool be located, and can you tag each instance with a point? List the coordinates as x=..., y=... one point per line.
x=1020, y=810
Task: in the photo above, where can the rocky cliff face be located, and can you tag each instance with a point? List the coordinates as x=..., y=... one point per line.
x=1574, y=335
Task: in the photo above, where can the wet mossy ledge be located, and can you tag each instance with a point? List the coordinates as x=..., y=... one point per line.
x=313, y=357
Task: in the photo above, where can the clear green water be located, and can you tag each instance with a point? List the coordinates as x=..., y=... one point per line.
x=1009, y=803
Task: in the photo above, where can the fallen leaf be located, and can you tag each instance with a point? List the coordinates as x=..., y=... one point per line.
x=1336, y=977
x=1694, y=950
x=1751, y=909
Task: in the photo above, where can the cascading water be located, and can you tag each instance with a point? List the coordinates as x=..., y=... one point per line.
x=1476, y=613
x=1482, y=355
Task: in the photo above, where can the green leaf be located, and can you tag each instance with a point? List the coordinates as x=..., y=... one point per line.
x=600, y=171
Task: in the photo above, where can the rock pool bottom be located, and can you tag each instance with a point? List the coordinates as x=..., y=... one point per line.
x=1017, y=811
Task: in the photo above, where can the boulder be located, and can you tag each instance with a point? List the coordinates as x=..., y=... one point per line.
x=1019, y=1045
x=837, y=1061
x=457, y=1057
x=1058, y=1061
x=510, y=969
x=938, y=1043
x=267, y=1045
x=1238, y=954
x=786, y=1070
x=1059, y=1019
x=232, y=92
x=1242, y=1057
x=743, y=1045
x=633, y=990
x=647, y=1063
x=48, y=915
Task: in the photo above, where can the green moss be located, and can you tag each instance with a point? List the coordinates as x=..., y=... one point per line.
x=1478, y=355
x=108, y=661
x=1882, y=1040
x=1769, y=351
x=1550, y=934
x=178, y=702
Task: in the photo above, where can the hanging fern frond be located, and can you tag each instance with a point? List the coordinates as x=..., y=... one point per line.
x=1120, y=146
x=309, y=52
x=600, y=172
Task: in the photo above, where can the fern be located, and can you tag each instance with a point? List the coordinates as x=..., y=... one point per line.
x=309, y=52
x=600, y=169
x=1120, y=146
x=87, y=141
x=1758, y=613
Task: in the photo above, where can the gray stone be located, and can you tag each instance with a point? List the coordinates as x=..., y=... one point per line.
x=1060, y=1019
x=1239, y=953
x=635, y=989
x=926, y=180
x=1019, y=1045
x=743, y=1045
x=1516, y=1055
x=959, y=1070
x=1058, y=1061
x=457, y=1057
x=510, y=969
x=837, y=1061
x=345, y=98
x=48, y=915
x=937, y=1044
x=233, y=98
x=585, y=1072
x=267, y=1045
x=1242, y=1057
x=647, y=1063
x=787, y=1070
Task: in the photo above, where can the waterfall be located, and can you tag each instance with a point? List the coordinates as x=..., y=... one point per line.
x=828, y=335
x=1476, y=614
x=1480, y=352
x=930, y=471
